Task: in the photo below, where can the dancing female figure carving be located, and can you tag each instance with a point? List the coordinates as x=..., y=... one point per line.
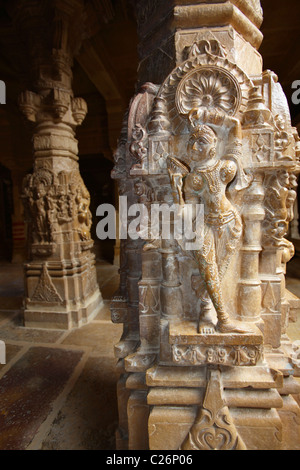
x=205, y=182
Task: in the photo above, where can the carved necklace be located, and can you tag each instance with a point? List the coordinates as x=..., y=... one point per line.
x=212, y=176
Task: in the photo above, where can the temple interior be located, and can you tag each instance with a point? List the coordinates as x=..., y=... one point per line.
x=59, y=387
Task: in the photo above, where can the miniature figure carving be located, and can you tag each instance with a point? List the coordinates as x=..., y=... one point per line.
x=279, y=202
x=137, y=147
x=84, y=215
x=206, y=183
x=39, y=210
x=291, y=197
x=282, y=138
x=55, y=203
x=41, y=214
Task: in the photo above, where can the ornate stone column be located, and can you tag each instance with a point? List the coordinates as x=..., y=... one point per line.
x=208, y=127
x=60, y=275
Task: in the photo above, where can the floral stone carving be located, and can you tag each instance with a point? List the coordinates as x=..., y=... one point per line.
x=208, y=88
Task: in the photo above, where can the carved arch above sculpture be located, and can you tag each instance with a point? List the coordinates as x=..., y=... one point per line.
x=207, y=80
x=208, y=87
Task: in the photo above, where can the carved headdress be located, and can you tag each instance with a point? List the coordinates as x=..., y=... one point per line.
x=204, y=132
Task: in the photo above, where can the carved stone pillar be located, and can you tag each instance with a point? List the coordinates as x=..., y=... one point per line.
x=250, y=284
x=214, y=131
x=60, y=275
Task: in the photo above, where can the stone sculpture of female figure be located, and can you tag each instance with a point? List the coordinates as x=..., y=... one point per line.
x=206, y=183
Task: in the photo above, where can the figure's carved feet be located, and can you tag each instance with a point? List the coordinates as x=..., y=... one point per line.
x=139, y=361
x=206, y=328
x=233, y=326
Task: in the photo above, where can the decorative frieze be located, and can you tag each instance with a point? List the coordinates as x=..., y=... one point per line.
x=195, y=355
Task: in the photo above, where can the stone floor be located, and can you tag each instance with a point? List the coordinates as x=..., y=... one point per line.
x=58, y=389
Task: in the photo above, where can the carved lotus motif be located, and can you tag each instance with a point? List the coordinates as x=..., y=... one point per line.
x=208, y=88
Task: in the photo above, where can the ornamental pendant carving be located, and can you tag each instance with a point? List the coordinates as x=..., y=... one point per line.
x=213, y=428
x=45, y=290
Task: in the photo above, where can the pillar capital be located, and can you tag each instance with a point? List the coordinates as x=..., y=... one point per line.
x=52, y=32
x=167, y=29
x=58, y=106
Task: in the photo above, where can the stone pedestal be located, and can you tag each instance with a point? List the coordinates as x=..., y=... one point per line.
x=209, y=365
x=213, y=409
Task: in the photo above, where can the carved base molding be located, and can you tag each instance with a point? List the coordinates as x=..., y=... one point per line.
x=61, y=297
x=208, y=408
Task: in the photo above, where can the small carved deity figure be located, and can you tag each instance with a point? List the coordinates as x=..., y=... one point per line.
x=276, y=224
x=42, y=228
x=63, y=205
x=137, y=147
x=291, y=197
x=282, y=138
x=279, y=204
x=143, y=192
x=206, y=183
x=51, y=209
x=83, y=213
x=39, y=210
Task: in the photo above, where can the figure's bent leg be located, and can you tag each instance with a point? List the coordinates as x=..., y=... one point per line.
x=209, y=271
x=205, y=323
x=226, y=247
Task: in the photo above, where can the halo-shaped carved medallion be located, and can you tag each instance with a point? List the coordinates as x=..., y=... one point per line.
x=209, y=87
